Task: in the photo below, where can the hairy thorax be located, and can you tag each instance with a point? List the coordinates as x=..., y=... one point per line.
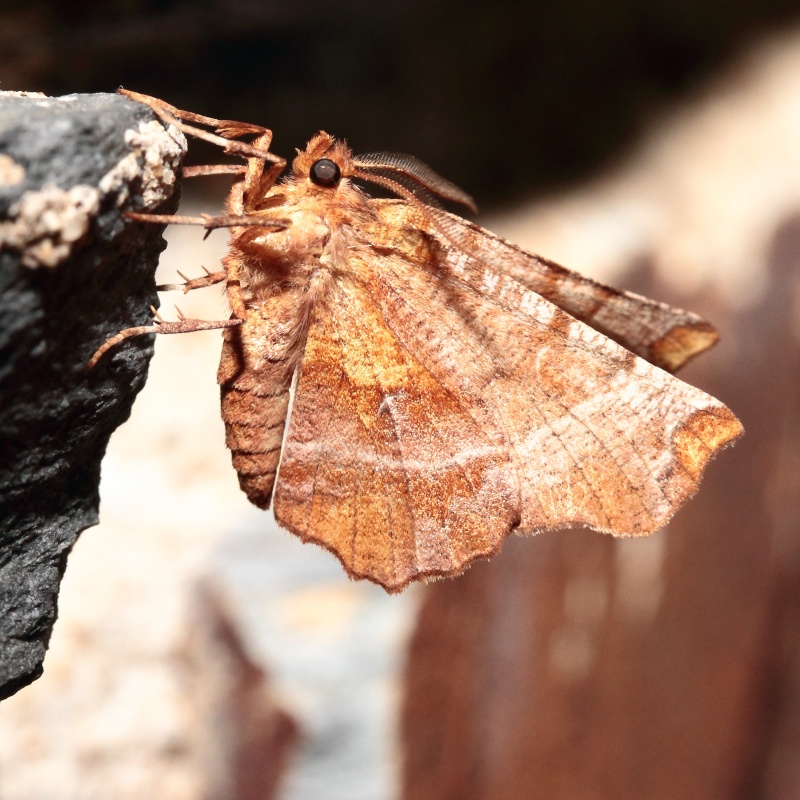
x=287, y=256
x=316, y=246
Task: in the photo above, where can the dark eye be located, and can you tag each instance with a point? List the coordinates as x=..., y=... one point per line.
x=325, y=172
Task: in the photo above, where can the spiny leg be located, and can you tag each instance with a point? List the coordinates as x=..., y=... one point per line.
x=261, y=171
x=228, y=128
x=209, y=222
x=201, y=170
x=259, y=175
x=209, y=279
x=160, y=325
x=233, y=288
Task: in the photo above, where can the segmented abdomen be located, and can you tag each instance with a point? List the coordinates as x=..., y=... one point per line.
x=255, y=374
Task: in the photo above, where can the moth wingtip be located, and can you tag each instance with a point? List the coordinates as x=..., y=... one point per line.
x=682, y=343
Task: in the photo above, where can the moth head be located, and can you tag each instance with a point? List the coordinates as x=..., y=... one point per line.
x=324, y=162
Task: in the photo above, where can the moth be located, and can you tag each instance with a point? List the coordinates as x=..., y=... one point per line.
x=406, y=389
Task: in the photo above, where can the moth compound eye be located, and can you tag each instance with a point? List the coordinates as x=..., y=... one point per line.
x=325, y=172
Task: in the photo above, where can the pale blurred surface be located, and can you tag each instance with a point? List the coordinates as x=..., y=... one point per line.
x=700, y=198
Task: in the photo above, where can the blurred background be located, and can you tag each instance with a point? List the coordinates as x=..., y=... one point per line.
x=507, y=97
x=203, y=653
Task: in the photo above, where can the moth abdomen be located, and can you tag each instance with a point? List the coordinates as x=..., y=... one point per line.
x=255, y=374
x=254, y=425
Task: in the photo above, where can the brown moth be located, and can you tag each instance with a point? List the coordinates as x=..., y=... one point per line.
x=406, y=388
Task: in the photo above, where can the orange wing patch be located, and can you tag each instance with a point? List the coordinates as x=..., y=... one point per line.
x=382, y=465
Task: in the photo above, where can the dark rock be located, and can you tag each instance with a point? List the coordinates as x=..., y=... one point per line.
x=73, y=272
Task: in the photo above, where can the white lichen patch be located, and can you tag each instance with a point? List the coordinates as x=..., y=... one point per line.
x=155, y=158
x=45, y=224
x=11, y=173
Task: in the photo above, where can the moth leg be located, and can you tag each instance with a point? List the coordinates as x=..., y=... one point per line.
x=162, y=107
x=258, y=180
x=260, y=173
x=214, y=169
x=226, y=128
x=160, y=325
x=233, y=289
x=210, y=222
x=209, y=279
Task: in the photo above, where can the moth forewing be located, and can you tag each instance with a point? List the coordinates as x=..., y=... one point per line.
x=441, y=403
